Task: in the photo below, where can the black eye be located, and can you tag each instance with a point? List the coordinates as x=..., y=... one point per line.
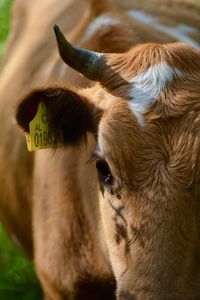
x=104, y=171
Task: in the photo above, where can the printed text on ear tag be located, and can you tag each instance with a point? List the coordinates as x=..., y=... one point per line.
x=39, y=136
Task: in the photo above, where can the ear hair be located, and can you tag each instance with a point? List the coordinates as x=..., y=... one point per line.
x=70, y=115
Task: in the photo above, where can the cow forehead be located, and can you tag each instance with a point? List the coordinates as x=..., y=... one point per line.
x=160, y=63
x=166, y=76
x=148, y=85
x=151, y=71
x=163, y=59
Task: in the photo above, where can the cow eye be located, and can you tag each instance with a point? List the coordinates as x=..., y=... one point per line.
x=104, y=171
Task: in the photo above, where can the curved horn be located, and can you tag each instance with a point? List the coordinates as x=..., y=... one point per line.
x=88, y=63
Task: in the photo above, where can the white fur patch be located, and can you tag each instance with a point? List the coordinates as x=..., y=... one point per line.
x=147, y=86
x=97, y=23
x=180, y=32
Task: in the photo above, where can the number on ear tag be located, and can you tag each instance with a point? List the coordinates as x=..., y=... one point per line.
x=39, y=136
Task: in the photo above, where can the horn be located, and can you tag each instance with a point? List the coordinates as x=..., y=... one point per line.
x=88, y=63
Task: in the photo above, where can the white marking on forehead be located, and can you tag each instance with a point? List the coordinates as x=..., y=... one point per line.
x=147, y=86
x=97, y=23
x=180, y=32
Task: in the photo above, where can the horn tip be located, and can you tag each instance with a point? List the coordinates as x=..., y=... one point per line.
x=56, y=28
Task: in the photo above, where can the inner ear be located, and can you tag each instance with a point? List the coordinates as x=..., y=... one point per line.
x=70, y=114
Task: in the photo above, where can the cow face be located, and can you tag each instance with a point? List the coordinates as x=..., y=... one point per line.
x=144, y=116
x=147, y=159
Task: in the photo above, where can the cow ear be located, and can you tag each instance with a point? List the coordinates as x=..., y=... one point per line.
x=70, y=115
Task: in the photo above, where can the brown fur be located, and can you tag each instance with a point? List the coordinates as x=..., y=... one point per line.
x=144, y=227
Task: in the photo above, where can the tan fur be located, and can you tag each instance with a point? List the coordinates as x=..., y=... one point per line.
x=146, y=230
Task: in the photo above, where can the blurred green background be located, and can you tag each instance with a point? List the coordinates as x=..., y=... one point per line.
x=5, y=6
x=18, y=280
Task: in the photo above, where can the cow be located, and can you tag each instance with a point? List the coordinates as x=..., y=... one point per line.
x=113, y=205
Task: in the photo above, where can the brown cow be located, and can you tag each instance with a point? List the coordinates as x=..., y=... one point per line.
x=137, y=216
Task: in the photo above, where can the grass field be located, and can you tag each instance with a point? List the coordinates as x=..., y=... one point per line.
x=18, y=280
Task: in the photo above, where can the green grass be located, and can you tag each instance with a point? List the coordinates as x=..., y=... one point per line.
x=5, y=6
x=18, y=280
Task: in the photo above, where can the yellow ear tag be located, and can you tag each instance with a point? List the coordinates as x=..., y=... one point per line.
x=39, y=136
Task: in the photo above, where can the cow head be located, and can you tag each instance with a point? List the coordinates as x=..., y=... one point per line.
x=144, y=113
